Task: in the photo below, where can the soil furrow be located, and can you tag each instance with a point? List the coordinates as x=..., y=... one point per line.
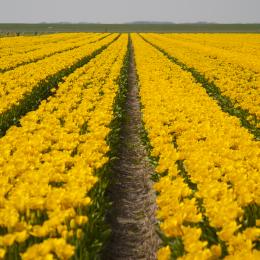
x=132, y=217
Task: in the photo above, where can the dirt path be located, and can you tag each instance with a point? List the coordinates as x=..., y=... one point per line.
x=132, y=218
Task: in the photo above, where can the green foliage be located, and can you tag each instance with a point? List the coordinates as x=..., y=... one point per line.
x=251, y=214
x=113, y=139
x=96, y=231
x=175, y=244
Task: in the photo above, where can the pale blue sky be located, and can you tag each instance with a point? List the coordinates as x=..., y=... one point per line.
x=117, y=11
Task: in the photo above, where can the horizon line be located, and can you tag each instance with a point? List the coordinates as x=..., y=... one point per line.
x=133, y=22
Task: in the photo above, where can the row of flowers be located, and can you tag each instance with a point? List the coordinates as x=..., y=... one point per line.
x=16, y=83
x=208, y=165
x=21, y=44
x=53, y=162
x=236, y=74
x=245, y=43
x=13, y=60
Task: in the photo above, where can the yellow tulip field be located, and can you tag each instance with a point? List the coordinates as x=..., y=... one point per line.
x=62, y=109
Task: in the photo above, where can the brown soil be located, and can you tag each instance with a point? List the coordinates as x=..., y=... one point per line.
x=133, y=212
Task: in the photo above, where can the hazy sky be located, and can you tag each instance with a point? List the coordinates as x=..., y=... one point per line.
x=116, y=11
